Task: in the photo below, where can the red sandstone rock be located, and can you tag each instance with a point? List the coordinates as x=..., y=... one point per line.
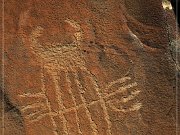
x=88, y=67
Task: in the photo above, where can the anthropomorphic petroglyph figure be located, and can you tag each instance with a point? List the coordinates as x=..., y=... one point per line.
x=74, y=86
x=70, y=90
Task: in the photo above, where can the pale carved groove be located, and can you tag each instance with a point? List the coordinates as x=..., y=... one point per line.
x=47, y=103
x=40, y=95
x=93, y=125
x=121, y=80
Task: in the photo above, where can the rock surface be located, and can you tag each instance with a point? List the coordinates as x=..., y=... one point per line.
x=89, y=67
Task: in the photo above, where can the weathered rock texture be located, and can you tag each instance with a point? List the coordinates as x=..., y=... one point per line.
x=90, y=67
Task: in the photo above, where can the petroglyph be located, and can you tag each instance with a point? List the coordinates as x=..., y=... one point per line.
x=121, y=80
x=33, y=95
x=116, y=104
x=70, y=89
x=132, y=96
x=62, y=61
x=134, y=107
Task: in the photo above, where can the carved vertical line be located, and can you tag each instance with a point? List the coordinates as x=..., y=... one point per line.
x=103, y=104
x=74, y=100
x=93, y=125
x=60, y=103
x=47, y=101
